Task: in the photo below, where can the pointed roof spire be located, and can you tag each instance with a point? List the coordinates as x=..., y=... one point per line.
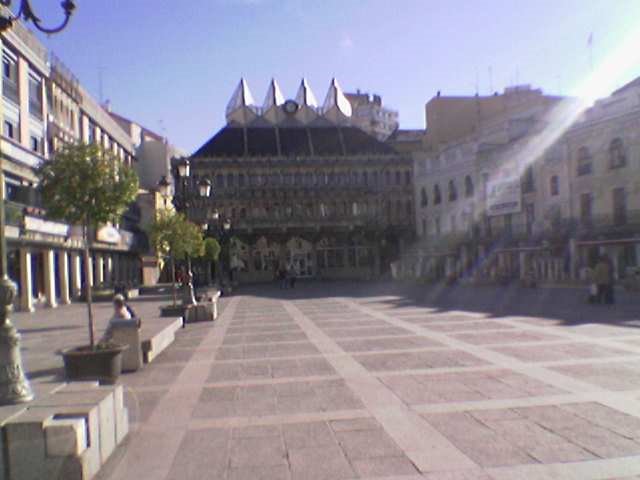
x=274, y=96
x=241, y=97
x=335, y=99
x=305, y=95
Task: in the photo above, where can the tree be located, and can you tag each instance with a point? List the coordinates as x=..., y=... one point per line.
x=173, y=235
x=211, y=255
x=88, y=186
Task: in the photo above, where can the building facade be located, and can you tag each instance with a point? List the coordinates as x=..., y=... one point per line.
x=370, y=115
x=44, y=106
x=501, y=201
x=302, y=185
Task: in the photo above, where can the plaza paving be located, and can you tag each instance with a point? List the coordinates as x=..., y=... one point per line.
x=340, y=381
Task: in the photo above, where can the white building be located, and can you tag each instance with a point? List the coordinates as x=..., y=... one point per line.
x=370, y=115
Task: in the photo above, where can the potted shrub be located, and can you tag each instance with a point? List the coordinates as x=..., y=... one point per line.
x=88, y=186
x=173, y=236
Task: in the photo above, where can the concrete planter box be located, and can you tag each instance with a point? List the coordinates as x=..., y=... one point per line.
x=171, y=311
x=81, y=363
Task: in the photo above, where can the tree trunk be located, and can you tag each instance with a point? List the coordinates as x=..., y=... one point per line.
x=173, y=280
x=87, y=287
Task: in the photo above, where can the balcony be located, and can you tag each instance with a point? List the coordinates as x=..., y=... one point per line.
x=337, y=221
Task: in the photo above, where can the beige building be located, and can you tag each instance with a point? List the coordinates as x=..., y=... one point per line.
x=43, y=106
x=370, y=115
x=492, y=205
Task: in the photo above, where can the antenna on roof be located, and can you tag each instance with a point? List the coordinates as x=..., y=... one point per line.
x=477, y=81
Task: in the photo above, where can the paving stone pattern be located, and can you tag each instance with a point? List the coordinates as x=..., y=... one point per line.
x=306, y=385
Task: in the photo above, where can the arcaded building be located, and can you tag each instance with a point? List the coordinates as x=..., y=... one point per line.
x=301, y=184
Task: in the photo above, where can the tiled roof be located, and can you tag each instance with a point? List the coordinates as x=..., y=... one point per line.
x=236, y=141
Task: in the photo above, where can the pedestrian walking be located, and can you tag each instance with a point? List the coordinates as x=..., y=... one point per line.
x=292, y=274
x=603, y=278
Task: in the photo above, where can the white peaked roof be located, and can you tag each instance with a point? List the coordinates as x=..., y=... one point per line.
x=335, y=99
x=241, y=98
x=305, y=95
x=274, y=96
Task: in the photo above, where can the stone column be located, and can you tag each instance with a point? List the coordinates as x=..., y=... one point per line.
x=63, y=276
x=76, y=277
x=49, y=278
x=26, y=296
x=99, y=268
x=108, y=269
x=522, y=257
x=89, y=271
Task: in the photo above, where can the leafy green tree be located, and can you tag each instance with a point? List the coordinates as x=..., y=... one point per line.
x=212, y=250
x=173, y=235
x=88, y=186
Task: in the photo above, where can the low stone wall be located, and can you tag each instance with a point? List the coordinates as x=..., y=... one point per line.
x=67, y=434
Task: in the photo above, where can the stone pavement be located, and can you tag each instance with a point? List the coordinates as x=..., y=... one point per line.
x=340, y=381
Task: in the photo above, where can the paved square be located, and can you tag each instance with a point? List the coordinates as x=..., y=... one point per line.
x=307, y=384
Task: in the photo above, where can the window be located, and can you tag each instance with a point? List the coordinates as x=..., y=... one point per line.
x=408, y=207
x=619, y=206
x=584, y=162
x=424, y=199
x=453, y=193
x=365, y=178
x=436, y=222
x=35, y=96
x=241, y=180
x=398, y=178
x=407, y=177
x=586, y=208
x=220, y=180
x=468, y=187
x=9, y=129
x=10, y=79
x=36, y=144
x=375, y=178
x=554, y=185
x=617, y=158
x=230, y=180
x=530, y=214
x=388, y=178
x=424, y=226
x=437, y=198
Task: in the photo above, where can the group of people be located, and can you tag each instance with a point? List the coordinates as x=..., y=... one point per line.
x=601, y=288
x=287, y=274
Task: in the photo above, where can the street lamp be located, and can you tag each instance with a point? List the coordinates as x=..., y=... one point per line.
x=204, y=188
x=27, y=14
x=14, y=386
x=164, y=187
x=183, y=168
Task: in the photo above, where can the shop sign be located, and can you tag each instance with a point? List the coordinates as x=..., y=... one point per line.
x=35, y=224
x=108, y=234
x=504, y=196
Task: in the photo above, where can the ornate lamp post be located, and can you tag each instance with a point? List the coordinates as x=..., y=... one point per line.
x=14, y=386
x=25, y=11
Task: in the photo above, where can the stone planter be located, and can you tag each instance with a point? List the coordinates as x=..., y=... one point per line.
x=82, y=363
x=171, y=311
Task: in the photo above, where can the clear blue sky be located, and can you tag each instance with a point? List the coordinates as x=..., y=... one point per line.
x=172, y=65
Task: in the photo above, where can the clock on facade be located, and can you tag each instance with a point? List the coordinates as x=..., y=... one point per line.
x=290, y=106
